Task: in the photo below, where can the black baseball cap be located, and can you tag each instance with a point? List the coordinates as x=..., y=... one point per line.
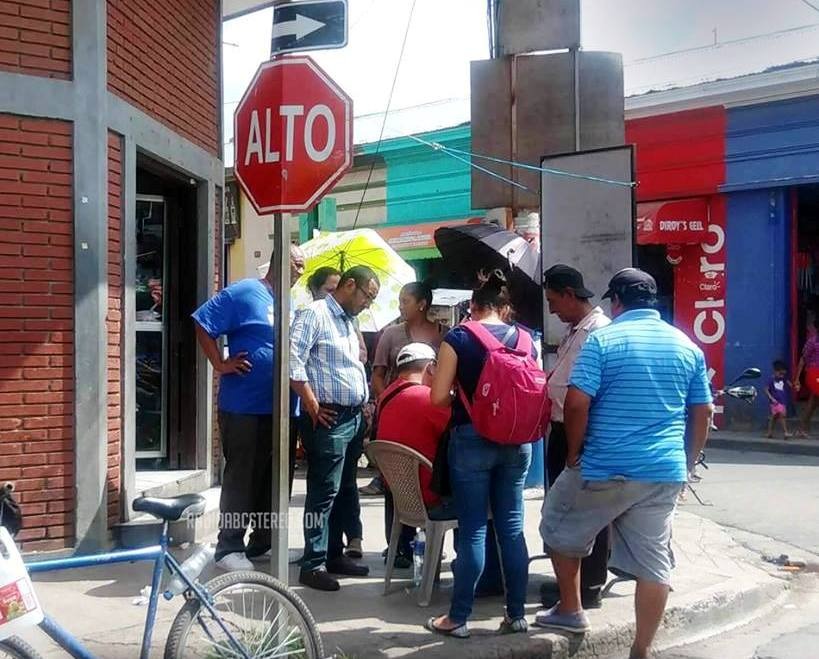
x=631, y=284
x=562, y=276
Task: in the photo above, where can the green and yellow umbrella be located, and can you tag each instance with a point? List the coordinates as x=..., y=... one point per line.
x=344, y=249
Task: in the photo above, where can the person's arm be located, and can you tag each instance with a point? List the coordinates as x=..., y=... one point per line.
x=584, y=382
x=697, y=426
x=362, y=347
x=576, y=420
x=797, y=381
x=379, y=380
x=769, y=394
x=303, y=337
x=381, y=362
x=700, y=410
x=237, y=364
x=445, y=372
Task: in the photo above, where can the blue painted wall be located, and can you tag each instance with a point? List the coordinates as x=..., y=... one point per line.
x=758, y=298
x=773, y=144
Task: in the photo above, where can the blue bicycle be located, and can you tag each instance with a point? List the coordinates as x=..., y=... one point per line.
x=238, y=614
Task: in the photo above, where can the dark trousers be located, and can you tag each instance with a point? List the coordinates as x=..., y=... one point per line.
x=593, y=568
x=331, y=507
x=294, y=438
x=407, y=532
x=247, y=487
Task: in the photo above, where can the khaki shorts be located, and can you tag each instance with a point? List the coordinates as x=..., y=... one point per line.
x=575, y=510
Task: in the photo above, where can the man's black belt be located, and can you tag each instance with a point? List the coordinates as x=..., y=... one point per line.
x=341, y=408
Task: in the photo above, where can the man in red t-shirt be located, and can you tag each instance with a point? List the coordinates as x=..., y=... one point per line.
x=407, y=416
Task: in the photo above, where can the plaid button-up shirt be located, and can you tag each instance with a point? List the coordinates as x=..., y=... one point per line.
x=324, y=351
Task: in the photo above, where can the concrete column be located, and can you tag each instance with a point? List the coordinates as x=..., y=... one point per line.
x=90, y=272
x=207, y=247
x=128, y=349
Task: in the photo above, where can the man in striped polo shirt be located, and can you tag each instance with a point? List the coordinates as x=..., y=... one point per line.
x=637, y=415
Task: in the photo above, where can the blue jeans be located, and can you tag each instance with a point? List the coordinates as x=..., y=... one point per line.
x=488, y=475
x=332, y=506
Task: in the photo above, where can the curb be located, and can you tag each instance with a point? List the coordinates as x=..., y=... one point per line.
x=712, y=612
x=793, y=447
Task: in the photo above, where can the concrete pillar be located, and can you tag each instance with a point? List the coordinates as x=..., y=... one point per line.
x=90, y=272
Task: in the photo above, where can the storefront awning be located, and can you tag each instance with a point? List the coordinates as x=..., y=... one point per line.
x=417, y=241
x=681, y=222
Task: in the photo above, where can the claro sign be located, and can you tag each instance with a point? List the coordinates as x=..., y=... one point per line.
x=699, y=291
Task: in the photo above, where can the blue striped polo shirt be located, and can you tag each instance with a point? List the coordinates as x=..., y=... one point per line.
x=641, y=374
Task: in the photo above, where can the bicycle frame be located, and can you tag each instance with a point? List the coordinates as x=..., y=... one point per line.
x=160, y=555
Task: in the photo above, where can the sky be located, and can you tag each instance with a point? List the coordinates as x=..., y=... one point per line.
x=718, y=39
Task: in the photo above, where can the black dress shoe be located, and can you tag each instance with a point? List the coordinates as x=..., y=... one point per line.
x=590, y=598
x=318, y=579
x=345, y=566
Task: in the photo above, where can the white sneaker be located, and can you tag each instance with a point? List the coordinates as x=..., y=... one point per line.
x=234, y=562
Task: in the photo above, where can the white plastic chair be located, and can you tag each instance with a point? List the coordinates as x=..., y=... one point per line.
x=399, y=465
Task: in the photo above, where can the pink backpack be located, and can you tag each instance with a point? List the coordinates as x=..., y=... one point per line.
x=511, y=403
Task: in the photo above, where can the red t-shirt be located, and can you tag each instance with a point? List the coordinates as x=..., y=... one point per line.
x=411, y=419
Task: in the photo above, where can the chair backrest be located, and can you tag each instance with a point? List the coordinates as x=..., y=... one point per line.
x=399, y=465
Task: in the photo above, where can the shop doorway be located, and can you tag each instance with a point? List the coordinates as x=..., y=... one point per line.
x=654, y=260
x=805, y=266
x=164, y=418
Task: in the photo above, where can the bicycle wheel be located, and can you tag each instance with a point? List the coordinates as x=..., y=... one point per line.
x=262, y=614
x=16, y=648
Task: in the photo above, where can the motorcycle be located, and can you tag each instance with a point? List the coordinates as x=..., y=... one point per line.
x=746, y=393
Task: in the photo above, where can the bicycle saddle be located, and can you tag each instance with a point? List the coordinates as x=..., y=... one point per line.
x=171, y=509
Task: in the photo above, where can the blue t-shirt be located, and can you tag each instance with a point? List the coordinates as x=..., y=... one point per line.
x=244, y=313
x=471, y=357
x=641, y=373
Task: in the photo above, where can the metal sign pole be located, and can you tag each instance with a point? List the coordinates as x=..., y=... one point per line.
x=280, y=495
x=281, y=400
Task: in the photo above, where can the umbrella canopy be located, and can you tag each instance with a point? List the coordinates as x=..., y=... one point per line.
x=469, y=248
x=345, y=249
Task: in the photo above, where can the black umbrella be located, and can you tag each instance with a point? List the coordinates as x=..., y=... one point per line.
x=470, y=248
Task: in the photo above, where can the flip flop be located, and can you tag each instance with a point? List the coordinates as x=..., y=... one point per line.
x=461, y=631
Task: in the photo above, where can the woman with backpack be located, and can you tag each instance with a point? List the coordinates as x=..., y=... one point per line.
x=491, y=367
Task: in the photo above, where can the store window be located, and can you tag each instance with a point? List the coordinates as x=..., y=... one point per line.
x=151, y=335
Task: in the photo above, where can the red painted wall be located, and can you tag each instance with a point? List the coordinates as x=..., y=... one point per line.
x=682, y=155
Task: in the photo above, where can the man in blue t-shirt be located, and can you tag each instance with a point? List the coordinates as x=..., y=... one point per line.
x=243, y=312
x=636, y=416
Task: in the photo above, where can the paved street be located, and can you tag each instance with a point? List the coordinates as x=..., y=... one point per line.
x=771, y=503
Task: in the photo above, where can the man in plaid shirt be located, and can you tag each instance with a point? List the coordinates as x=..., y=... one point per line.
x=327, y=374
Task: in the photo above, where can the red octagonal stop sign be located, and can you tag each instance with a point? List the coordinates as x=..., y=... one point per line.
x=293, y=135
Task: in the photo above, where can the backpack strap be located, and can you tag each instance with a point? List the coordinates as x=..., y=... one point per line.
x=483, y=335
x=382, y=403
x=525, y=343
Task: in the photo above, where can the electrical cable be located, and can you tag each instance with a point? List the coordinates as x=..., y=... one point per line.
x=386, y=114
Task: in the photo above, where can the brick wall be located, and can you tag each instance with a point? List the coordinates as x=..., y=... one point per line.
x=35, y=37
x=114, y=326
x=163, y=58
x=36, y=325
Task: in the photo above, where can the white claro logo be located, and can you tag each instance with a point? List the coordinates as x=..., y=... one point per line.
x=710, y=309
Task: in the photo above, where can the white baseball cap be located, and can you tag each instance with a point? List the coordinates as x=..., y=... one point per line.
x=414, y=352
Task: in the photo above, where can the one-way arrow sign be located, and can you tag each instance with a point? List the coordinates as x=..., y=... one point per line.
x=309, y=25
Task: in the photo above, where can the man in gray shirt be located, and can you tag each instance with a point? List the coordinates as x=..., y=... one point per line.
x=568, y=299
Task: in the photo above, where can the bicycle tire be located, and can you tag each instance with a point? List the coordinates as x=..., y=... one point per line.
x=178, y=634
x=15, y=647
